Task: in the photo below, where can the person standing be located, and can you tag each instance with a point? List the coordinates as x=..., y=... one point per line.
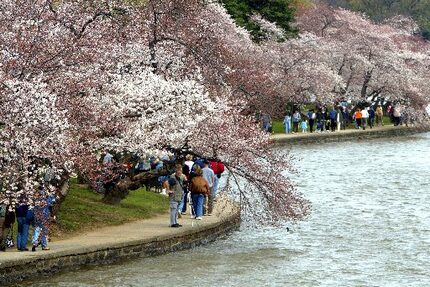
x=364, y=118
x=209, y=175
x=357, y=118
x=179, y=187
x=199, y=187
x=7, y=218
x=186, y=170
x=304, y=126
x=371, y=112
x=287, y=123
x=379, y=116
x=397, y=114
x=175, y=192
x=267, y=122
x=218, y=168
x=23, y=217
x=312, y=116
x=41, y=210
x=333, y=119
x=296, y=121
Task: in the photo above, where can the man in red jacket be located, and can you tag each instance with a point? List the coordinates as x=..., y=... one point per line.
x=218, y=168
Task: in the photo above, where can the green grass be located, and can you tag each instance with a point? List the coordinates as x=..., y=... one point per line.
x=278, y=127
x=84, y=210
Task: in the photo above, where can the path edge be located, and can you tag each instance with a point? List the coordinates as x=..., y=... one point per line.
x=142, y=248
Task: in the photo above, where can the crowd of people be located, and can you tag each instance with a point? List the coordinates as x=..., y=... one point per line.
x=338, y=118
x=194, y=184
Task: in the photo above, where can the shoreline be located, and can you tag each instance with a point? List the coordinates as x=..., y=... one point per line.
x=139, y=239
x=153, y=237
x=347, y=135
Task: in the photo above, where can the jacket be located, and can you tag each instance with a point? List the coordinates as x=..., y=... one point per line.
x=199, y=185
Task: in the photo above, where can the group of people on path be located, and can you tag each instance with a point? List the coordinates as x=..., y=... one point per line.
x=339, y=117
x=37, y=215
x=319, y=121
x=195, y=183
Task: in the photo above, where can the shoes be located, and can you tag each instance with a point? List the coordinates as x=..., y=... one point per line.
x=176, y=225
x=3, y=249
x=46, y=248
x=33, y=248
x=23, y=249
x=209, y=214
x=183, y=213
x=199, y=218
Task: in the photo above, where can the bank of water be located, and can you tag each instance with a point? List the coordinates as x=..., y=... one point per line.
x=370, y=226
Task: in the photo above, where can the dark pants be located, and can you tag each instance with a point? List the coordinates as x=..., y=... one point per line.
x=184, y=207
x=333, y=124
x=22, y=238
x=311, y=125
x=295, y=127
x=358, y=123
x=371, y=122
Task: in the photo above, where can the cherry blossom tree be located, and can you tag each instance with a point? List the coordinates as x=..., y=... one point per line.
x=373, y=59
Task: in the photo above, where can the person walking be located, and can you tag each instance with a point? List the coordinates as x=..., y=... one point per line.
x=379, y=116
x=296, y=121
x=397, y=114
x=199, y=189
x=357, y=118
x=333, y=119
x=371, y=121
x=218, y=168
x=364, y=118
x=311, y=116
x=287, y=123
x=209, y=175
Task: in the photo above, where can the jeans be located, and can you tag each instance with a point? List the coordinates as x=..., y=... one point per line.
x=183, y=205
x=42, y=232
x=173, y=212
x=215, y=188
x=198, y=200
x=287, y=128
x=22, y=237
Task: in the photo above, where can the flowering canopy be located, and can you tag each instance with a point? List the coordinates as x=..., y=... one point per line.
x=81, y=76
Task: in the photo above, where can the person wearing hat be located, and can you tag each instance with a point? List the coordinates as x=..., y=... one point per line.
x=175, y=192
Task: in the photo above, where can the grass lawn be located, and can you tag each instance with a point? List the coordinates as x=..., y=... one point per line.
x=84, y=210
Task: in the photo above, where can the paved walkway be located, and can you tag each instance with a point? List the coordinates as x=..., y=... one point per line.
x=383, y=131
x=156, y=228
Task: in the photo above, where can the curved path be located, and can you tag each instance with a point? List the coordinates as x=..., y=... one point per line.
x=136, y=239
x=346, y=135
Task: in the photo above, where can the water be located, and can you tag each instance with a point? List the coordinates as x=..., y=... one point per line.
x=370, y=226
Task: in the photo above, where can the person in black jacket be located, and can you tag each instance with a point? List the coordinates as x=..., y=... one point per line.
x=23, y=216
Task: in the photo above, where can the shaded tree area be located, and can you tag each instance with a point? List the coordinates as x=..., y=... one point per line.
x=380, y=10
x=280, y=12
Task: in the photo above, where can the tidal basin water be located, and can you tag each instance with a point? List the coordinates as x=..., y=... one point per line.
x=370, y=226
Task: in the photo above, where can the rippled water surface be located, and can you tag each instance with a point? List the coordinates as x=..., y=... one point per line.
x=370, y=226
